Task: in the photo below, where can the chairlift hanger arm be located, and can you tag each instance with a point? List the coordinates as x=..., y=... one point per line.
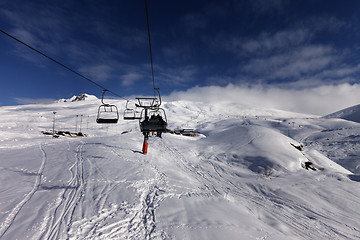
x=102, y=97
x=157, y=89
x=126, y=107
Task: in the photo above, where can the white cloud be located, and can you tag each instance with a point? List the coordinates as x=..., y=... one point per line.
x=265, y=43
x=296, y=63
x=34, y=100
x=97, y=72
x=281, y=40
x=319, y=100
x=130, y=78
x=25, y=36
x=177, y=76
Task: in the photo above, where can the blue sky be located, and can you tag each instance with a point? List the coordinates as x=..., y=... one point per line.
x=288, y=45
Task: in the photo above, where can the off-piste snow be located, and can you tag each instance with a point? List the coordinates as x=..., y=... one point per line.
x=251, y=173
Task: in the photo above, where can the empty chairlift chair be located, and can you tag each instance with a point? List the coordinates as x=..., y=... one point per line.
x=107, y=113
x=130, y=113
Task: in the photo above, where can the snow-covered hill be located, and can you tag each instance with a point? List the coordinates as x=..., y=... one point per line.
x=351, y=114
x=243, y=177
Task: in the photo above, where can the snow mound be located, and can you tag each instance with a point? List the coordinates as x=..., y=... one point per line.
x=351, y=114
x=80, y=97
x=256, y=148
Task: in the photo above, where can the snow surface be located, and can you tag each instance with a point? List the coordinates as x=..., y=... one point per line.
x=241, y=178
x=351, y=114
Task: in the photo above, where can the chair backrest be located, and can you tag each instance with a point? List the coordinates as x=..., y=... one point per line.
x=107, y=114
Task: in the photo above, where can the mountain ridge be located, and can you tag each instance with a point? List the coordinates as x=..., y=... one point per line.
x=77, y=98
x=350, y=113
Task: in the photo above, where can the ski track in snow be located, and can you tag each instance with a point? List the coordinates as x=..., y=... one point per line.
x=208, y=188
x=140, y=218
x=139, y=221
x=67, y=201
x=10, y=219
x=301, y=220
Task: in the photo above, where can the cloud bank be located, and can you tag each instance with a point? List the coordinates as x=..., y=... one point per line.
x=25, y=101
x=319, y=100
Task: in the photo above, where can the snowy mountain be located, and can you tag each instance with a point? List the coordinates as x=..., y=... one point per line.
x=351, y=114
x=80, y=97
x=243, y=176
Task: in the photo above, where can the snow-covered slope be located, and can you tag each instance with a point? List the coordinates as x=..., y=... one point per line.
x=351, y=113
x=243, y=177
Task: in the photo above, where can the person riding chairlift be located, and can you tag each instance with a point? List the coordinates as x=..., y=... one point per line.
x=158, y=118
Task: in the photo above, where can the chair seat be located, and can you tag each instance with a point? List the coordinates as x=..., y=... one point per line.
x=106, y=120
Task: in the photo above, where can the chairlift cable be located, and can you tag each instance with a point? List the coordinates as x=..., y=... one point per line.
x=59, y=63
x=151, y=60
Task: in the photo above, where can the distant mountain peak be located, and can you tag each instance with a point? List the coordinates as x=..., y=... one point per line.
x=78, y=98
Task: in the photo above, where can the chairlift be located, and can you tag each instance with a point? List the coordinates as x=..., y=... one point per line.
x=157, y=122
x=107, y=113
x=153, y=118
x=130, y=113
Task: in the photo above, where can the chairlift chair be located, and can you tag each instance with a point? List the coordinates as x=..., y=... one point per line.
x=157, y=122
x=152, y=118
x=130, y=113
x=107, y=113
